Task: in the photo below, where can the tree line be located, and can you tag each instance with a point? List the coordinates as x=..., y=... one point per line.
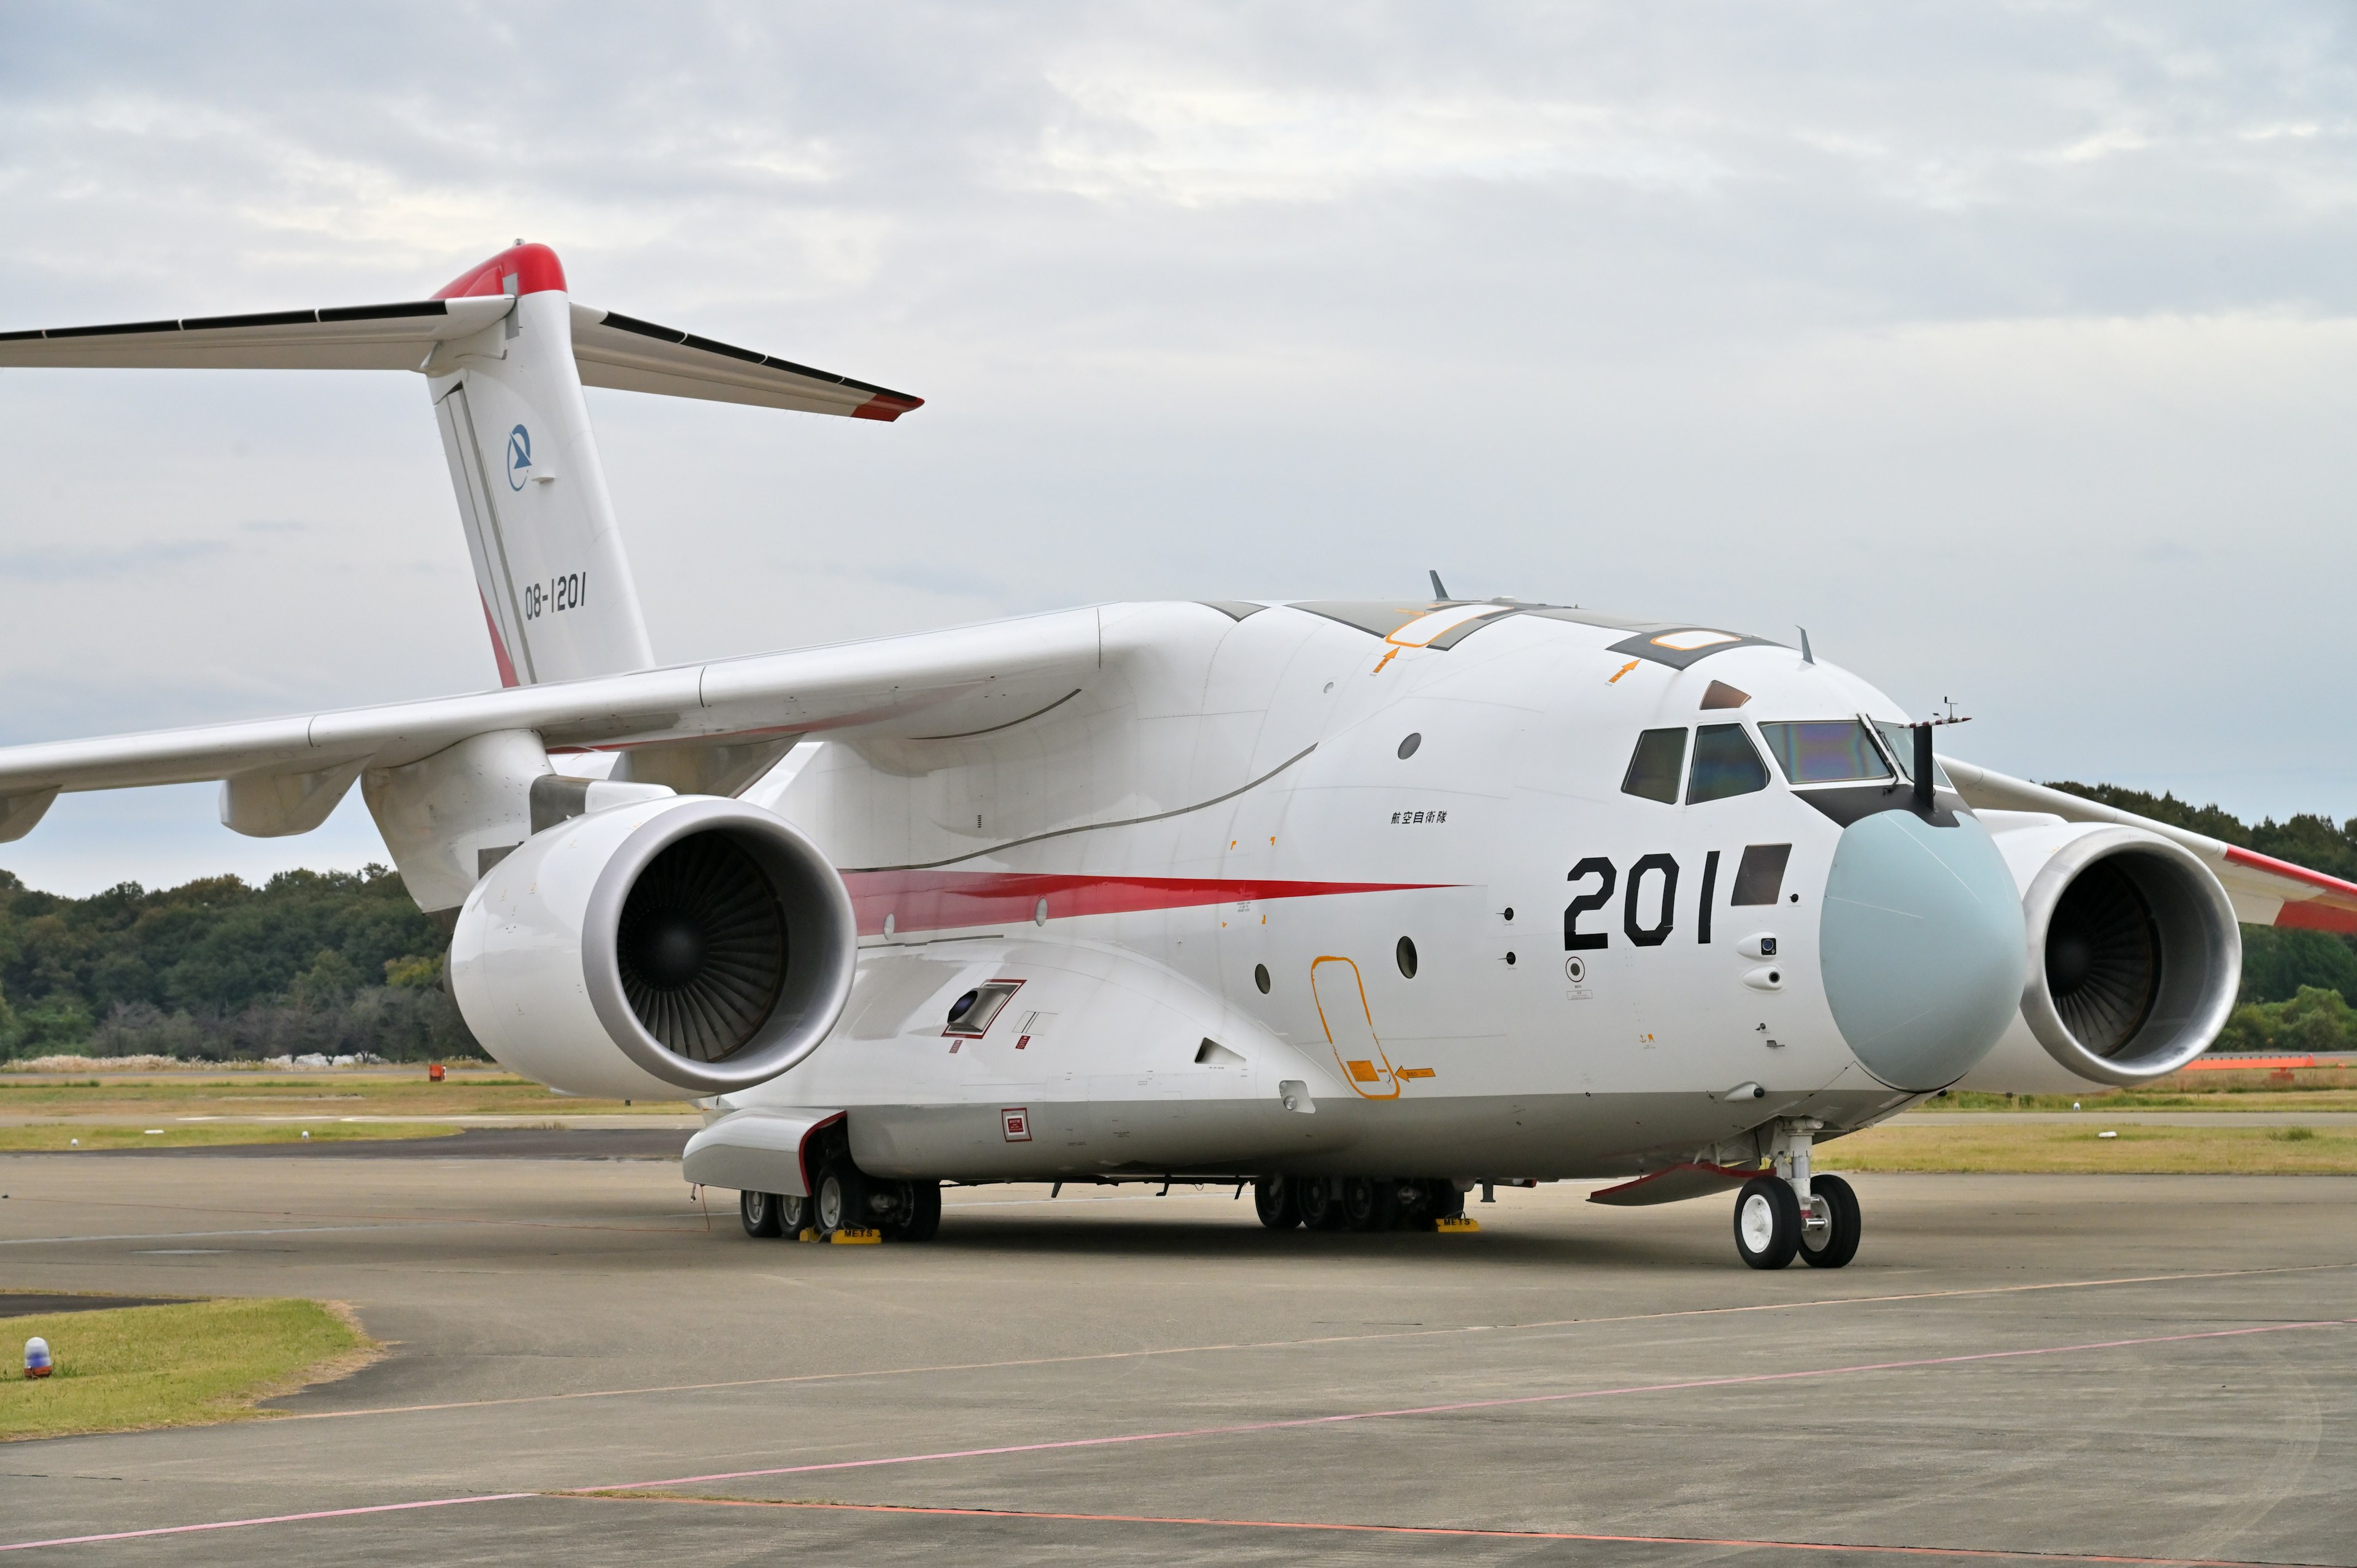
x=334, y=962
x=341, y=962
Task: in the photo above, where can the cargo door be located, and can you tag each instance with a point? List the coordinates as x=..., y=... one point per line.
x=1350, y=1029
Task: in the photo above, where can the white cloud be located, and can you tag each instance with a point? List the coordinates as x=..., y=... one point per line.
x=2009, y=348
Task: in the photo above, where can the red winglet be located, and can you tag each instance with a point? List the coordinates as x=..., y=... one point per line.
x=886, y=406
x=534, y=268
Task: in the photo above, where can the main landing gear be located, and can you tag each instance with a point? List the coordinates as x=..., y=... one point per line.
x=1354, y=1203
x=1790, y=1213
x=846, y=1197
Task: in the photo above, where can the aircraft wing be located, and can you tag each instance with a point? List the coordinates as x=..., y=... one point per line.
x=2265, y=891
x=937, y=685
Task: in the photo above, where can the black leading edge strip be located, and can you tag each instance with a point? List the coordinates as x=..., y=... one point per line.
x=254, y=318
x=386, y=312
x=615, y=318
x=113, y=329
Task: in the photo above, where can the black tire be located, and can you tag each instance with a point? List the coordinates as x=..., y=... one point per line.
x=841, y=1201
x=793, y=1213
x=1370, y=1203
x=1321, y=1209
x=919, y=1216
x=1767, y=1223
x=1834, y=1246
x=759, y=1212
x=1277, y=1203
x=1443, y=1201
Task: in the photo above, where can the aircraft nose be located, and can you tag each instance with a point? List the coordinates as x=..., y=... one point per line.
x=1922, y=946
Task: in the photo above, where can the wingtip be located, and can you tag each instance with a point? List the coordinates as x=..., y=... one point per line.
x=886, y=406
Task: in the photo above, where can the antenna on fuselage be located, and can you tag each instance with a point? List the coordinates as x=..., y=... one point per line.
x=1437, y=591
x=1806, y=657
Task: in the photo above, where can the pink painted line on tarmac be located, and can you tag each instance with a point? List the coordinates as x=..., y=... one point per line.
x=271, y=1519
x=1454, y=1407
x=1237, y=1429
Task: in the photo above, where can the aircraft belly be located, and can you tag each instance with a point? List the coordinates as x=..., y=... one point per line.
x=1546, y=1137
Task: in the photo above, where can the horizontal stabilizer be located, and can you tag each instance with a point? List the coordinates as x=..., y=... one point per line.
x=609, y=349
x=394, y=337
x=620, y=351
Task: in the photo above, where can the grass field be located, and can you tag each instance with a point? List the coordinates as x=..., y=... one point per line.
x=42, y=1136
x=402, y=1092
x=183, y=1365
x=2302, y=1089
x=2032, y=1150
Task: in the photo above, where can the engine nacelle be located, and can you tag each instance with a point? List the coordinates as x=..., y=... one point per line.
x=663, y=949
x=2135, y=958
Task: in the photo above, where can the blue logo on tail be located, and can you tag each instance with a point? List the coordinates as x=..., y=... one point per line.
x=518, y=456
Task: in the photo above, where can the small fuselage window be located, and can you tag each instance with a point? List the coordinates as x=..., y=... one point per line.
x=1830, y=751
x=1655, y=771
x=1725, y=764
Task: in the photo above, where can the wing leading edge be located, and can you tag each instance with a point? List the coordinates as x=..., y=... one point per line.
x=948, y=682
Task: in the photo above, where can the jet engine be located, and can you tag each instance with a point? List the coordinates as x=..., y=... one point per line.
x=2135, y=958
x=662, y=948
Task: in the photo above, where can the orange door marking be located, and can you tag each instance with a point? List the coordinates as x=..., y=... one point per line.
x=1350, y=1028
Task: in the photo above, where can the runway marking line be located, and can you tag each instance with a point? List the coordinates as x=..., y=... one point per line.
x=1297, y=1423
x=272, y=1519
x=1744, y=1380
x=1452, y=1533
x=1300, y=1343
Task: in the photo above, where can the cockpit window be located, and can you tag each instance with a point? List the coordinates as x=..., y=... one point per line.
x=1653, y=771
x=1829, y=751
x=1902, y=742
x=1725, y=764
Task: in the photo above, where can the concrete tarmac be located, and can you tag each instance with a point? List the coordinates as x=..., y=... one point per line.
x=583, y=1367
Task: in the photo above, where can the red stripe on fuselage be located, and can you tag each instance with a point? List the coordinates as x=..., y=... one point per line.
x=949, y=900
x=499, y=647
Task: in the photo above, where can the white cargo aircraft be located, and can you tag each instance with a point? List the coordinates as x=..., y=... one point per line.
x=1364, y=903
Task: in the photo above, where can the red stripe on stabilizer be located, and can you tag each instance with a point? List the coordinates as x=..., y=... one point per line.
x=498, y=649
x=534, y=268
x=886, y=406
x=2336, y=911
x=949, y=900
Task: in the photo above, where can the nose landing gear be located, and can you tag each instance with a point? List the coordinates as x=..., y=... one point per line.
x=1792, y=1213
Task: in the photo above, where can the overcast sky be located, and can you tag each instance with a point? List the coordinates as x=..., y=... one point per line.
x=2011, y=349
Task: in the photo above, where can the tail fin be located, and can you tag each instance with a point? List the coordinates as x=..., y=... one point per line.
x=506, y=353
x=548, y=558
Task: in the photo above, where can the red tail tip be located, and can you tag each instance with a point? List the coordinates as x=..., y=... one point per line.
x=535, y=268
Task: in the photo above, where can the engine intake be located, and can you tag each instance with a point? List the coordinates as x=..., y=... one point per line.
x=2134, y=956
x=692, y=943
